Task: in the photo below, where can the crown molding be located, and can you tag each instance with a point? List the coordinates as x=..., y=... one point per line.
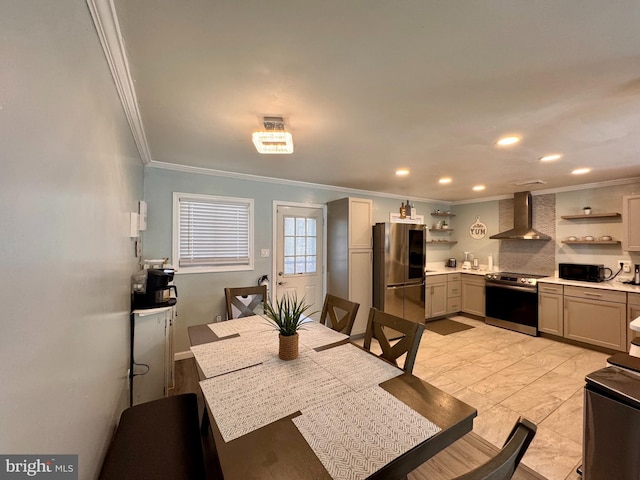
x=572, y=188
x=282, y=181
x=105, y=19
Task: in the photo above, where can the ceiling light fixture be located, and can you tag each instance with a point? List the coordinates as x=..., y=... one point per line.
x=444, y=180
x=581, y=171
x=273, y=139
x=401, y=172
x=479, y=188
x=550, y=158
x=506, y=141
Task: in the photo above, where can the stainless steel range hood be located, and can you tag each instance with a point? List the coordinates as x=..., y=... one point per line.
x=522, y=221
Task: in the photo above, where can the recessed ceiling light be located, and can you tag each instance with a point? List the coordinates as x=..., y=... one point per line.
x=479, y=188
x=510, y=140
x=581, y=171
x=550, y=158
x=402, y=172
x=444, y=180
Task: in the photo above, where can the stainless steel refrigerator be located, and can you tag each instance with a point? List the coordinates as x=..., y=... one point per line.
x=399, y=255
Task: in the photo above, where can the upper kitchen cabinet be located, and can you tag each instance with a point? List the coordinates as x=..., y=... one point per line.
x=349, y=222
x=631, y=223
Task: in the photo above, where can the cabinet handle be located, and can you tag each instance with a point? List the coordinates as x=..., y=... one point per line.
x=592, y=294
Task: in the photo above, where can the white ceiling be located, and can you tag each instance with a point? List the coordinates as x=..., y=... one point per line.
x=369, y=86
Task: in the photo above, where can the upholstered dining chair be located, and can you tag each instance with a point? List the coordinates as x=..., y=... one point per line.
x=504, y=464
x=243, y=301
x=409, y=334
x=339, y=314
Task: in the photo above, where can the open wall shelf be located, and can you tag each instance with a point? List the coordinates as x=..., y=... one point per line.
x=593, y=215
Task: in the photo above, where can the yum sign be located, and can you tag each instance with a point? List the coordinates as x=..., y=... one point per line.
x=477, y=229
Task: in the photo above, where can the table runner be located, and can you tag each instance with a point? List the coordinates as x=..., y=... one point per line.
x=217, y=358
x=245, y=400
x=257, y=342
x=360, y=432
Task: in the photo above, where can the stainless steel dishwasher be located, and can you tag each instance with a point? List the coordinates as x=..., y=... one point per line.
x=611, y=425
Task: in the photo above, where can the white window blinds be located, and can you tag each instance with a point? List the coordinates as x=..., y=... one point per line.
x=214, y=232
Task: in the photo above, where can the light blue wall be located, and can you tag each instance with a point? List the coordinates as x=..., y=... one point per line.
x=201, y=296
x=70, y=176
x=466, y=215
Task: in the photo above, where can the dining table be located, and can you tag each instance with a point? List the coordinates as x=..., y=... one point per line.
x=335, y=412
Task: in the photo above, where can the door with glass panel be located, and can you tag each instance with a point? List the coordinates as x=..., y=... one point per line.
x=299, y=255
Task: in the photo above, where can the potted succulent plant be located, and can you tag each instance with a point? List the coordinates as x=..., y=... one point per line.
x=586, y=210
x=287, y=317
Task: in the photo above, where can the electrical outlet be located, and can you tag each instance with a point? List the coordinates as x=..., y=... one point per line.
x=626, y=265
x=218, y=318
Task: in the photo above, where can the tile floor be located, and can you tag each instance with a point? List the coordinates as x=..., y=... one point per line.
x=505, y=374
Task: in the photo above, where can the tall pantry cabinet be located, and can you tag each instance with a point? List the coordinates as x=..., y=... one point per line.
x=350, y=254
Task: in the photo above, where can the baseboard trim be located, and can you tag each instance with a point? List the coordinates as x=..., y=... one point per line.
x=182, y=355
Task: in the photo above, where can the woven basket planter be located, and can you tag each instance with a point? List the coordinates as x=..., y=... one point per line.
x=288, y=348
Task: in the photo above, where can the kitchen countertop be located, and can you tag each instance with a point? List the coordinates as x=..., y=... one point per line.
x=615, y=284
x=610, y=285
x=444, y=270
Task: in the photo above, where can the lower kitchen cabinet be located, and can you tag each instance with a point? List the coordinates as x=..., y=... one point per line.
x=472, y=294
x=152, y=353
x=596, y=316
x=435, y=296
x=550, y=309
x=633, y=312
x=454, y=293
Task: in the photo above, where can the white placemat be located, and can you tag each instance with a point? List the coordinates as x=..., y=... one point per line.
x=231, y=354
x=355, y=367
x=239, y=325
x=245, y=400
x=362, y=431
x=314, y=335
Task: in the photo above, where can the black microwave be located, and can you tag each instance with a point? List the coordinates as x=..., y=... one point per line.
x=581, y=272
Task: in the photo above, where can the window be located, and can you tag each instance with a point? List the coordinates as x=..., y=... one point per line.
x=299, y=245
x=212, y=234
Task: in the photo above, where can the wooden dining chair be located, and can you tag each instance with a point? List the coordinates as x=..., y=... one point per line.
x=243, y=301
x=339, y=314
x=409, y=332
x=504, y=464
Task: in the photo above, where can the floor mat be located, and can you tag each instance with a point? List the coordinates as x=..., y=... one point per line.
x=446, y=326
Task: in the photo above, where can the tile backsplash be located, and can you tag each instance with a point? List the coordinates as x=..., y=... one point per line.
x=529, y=256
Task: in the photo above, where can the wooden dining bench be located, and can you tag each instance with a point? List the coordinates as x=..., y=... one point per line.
x=157, y=440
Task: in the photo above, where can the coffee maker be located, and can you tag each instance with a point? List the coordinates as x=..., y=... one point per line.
x=152, y=289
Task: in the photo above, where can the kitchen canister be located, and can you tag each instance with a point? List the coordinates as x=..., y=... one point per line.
x=490, y=263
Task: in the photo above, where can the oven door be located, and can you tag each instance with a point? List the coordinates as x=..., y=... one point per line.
x=512, y=307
